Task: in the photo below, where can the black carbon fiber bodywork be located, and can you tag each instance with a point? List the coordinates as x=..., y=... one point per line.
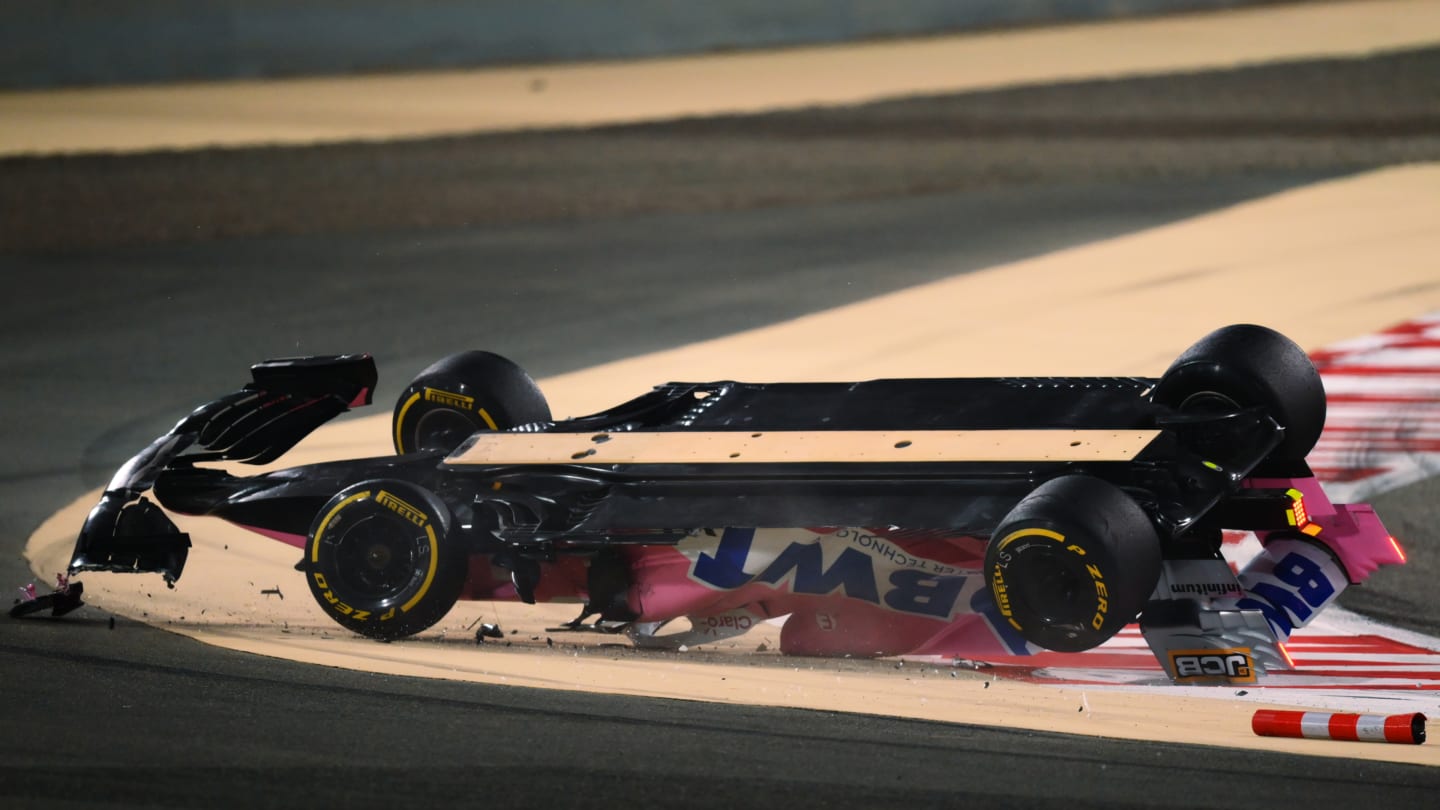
x=540, y=510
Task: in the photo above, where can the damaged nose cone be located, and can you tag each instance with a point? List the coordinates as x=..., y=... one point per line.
x=138, y=538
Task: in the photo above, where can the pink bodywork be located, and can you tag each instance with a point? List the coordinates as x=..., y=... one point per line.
x=1352, y=532
x=860, y=592
x=867, y=592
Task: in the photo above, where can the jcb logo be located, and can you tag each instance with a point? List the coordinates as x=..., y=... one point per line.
x=402, y=508
x=460, y=401
x=1234, y=666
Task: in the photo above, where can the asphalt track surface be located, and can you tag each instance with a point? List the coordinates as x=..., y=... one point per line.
x=141, y=286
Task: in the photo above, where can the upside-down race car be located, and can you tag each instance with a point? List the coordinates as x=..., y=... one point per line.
x=964, y=517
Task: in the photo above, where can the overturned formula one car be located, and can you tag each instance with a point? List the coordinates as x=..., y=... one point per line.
x=966, y=517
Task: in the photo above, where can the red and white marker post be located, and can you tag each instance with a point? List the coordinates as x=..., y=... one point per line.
x=1394, y=728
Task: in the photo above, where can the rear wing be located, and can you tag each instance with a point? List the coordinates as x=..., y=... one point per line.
x=285, y=401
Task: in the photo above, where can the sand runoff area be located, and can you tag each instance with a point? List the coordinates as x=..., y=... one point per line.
x=313, y=110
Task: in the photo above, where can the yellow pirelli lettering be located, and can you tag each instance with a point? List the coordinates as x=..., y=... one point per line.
x=1002, y=593
x=449, y=398
x=401, y=508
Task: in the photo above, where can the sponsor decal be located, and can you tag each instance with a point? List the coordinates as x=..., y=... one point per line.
x=865, y=567
x=1207, y=588
x=1289, y=583
x=725, y=622
x=1230, y=665
x=402, y=508
x=1002, y=595
x=1206, y=580
x=450, y=399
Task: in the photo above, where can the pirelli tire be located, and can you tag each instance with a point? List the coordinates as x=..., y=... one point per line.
x=1245, y=365
x=380, y=562
x=1072, y=563
x=460, y=394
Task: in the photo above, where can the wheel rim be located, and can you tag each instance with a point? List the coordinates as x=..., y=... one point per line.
x=374, y=559
x=1054, y=593
x=1209, y=402
x=442, y=429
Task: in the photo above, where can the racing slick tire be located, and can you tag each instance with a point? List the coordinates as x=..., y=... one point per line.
x=1244, y=366
x=461, y=394
x=1072, y=563
x=379, y=561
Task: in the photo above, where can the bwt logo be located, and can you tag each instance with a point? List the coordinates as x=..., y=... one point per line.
x=800, y=567
x=1234, y=666
x=1295, y=589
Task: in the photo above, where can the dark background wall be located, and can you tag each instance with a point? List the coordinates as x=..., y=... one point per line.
x=54, y=43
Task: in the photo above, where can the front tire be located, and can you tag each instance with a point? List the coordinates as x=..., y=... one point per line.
x=379, y=561
x=1072, y=563
x=461, y=394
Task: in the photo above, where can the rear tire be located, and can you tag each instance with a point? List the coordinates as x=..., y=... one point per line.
x=379, y=561
x=1072, y=563
x=461, y=394
x=1244, y=366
